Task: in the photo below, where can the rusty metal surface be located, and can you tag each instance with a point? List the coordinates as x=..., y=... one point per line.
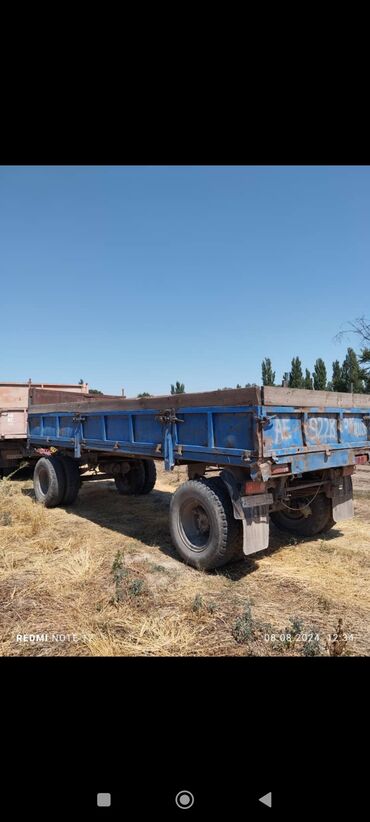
x=13, y=423
x=229, y=397
x=300, y=397
x=13, y=395
x=46, y=396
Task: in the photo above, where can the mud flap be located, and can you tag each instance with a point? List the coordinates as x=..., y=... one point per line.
x=256, y=523
x=253, y=510
x=256, y=529
x=342, y=499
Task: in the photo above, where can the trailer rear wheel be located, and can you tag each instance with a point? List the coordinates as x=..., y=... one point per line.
x=49, y=481
x=293, y=519
x=236, y=531
x=330, y=523
x=202, y=524
x=150, y=476
x=73, y=480
x=132, y=482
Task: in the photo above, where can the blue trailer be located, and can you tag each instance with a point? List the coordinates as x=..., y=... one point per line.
x=252, y=455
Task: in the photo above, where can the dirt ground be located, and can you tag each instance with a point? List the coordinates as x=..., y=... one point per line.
x=102, y=578
x=361, y=480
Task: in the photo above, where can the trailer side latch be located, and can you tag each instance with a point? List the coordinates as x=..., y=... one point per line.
x=168, y=416
x=78, y=419
x=263, y=419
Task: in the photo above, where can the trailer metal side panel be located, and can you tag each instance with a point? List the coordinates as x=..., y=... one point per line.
x=13, y=423
x=308, y=439
x=288, y=430
x=211, y=434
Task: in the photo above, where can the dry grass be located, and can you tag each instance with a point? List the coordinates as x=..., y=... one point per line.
x=104, y=576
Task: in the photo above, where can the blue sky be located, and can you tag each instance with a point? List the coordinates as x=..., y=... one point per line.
x=136, y=277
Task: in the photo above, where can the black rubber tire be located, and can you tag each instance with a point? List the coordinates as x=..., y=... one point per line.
x=238, y=552
x=330, y=524
x=49, y=481
x=218, y=546
x=131, y=483
x=73, y=480
x=317, y=522
x=236, y=533
x=150, y=476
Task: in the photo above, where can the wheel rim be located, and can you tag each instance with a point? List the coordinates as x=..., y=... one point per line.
x=43, y=481
x=195, y=525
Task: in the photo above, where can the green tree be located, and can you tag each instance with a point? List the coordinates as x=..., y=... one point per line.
x=361, y=327
x=319, y=375
x=296, y=376
x=352, y=373
x=308, y=380
x=268, y=375
x=365, y=360
x=144, y=394
x=337, y=377
x=179, y=388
